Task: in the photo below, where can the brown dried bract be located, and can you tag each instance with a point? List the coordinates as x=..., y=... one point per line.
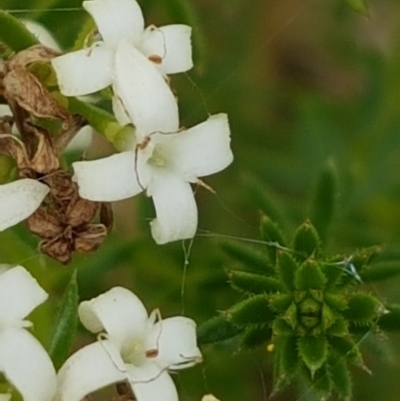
x=65, y=220
x=24, y=88
x=31, y=55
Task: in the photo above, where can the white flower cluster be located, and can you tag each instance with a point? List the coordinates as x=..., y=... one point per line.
x=134, y=347
x=164, y=158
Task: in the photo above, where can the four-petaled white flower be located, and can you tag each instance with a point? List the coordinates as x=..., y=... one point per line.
x=23, y=361
x=164, y=159
x=136, y=348
x=165, y=165
x=121, y=21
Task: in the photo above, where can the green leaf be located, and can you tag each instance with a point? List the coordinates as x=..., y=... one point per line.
x=309, y=276
x=359, y=6
x=255, y=336
x=361, y=308
x=271, y=233
x=380, y=271
x=14, y=33
x=215, y=330
x=335, y=301
x=320, y=383
x=313, y=351
x=324, y=200
x=281, y=327
x=66, y=324
x=339, y=329
x=280, y=302
x=287, y=268
x=364, y=257
x=347, y=349
x=258, y=194
x=250, y=257
x=333, y=272
x=390, y=321
x=340, y=377
x=253, y=283
x=291, y=316
x=329, y=317
x=252, y=311
x=285, y=362
x=306, y=242
x=289, y=358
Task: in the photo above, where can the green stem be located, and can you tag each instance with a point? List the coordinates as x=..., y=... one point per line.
x=102, y=121
x=14, y=33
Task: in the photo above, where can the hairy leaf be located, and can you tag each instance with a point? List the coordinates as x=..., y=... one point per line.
x=306, y=242
x=253, y=283
x=216, y=329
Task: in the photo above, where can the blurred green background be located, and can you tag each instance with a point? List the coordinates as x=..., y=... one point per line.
x=304, y=83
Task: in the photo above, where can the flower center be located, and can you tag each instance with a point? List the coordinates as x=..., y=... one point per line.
x=135, y=354
x=157, y=159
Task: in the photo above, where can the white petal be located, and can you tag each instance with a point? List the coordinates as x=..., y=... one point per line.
x=145, y=94
x=112, y=178
x=175, y=340
x=201, y=150
x=116, y=19
x=150, y=383
x=171, y=45
x=26, y=365
x=91, y=368
x=20, y=294
x=119, y=312
x=44, y=36
x=84, y=71
x=175, y=208
x=19, y=199
x=81, y=140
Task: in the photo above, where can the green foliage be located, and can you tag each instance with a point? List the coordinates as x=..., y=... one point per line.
x=390, y=321
x=311, y=307
x=246, y=255
x=325, y=199
x=14, y=33
x=217, y=329
x=271, y=233
x=313, y=351
x=286, y=267
x=381, y=271
x=359, y=6
x=253, y=311
x=66, y=324
x=253, y=283
x=306, y=242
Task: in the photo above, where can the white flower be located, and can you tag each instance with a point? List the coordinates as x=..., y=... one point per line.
x=23, y=361
x=136, y=348
x=118, y=21
x=164, y=164
x=42, y=34
x=19, y=199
